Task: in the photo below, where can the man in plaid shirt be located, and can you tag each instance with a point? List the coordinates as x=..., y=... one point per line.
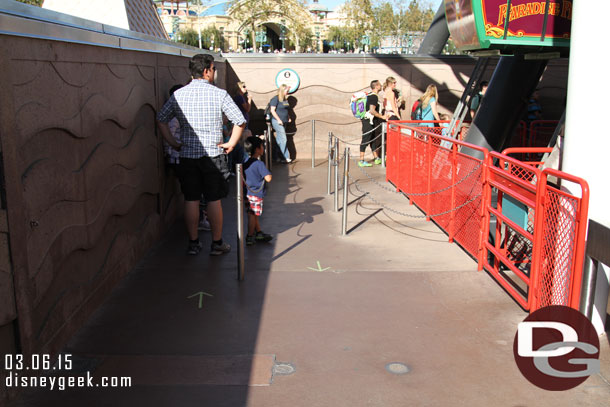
x=203, y=167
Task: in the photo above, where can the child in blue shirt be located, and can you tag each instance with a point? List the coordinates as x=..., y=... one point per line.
x=255, y=173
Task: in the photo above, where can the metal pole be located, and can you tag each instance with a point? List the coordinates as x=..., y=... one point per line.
x=345, y=192
x=270, y=146
x=240, y=223
x=590, y=281
x=330, y=159
x=384, y=129
x=266, y=149
x=336, y=167
x=313, y=143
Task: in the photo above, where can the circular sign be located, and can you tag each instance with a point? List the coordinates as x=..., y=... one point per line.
x=288, y=77
x=556, y=348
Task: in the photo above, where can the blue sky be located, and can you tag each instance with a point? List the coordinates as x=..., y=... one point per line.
x=331, y=4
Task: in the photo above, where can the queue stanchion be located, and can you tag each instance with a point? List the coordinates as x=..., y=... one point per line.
x=266, y=149
x=330, y=160
x=269, y=147
x=313, y=144
x=384, y=133
x=336, y=168
x=241, y=264
x=345, y=192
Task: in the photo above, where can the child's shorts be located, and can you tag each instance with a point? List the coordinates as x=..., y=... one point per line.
x=254, y=205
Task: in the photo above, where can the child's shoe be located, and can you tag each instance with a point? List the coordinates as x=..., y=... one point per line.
x=204, y=224
x=377, y=161
x=364, y=164
x=263, y=237
x=250, y=240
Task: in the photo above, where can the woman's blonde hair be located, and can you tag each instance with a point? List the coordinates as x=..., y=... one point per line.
x=281, y=92
x=431, y=92
x=389, y=80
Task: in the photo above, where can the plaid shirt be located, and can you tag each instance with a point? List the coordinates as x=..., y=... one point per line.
x=199, y=107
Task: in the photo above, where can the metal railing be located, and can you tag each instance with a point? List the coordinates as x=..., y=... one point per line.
x=536, y=246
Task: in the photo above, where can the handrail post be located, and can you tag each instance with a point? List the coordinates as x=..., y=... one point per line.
x=313, y=143
x=384, y=129
x=345, y=192
x=429, y=184
x=240, y=223
x=533, y=300
x=411, y=165
x=330, y=160
x=336, y=166
x=485, y=216
x=453, y=187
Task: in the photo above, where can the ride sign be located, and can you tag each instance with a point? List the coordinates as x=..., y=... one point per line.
x=506, y=25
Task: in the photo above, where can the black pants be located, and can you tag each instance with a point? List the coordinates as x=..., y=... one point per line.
x=370, y=137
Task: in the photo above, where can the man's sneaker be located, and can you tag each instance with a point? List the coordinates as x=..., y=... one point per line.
x=263, y=237
x=250, y=240
x=377, y=161
x=364, y=164
x=218, y=249
x=194, y=248
x=204, y=225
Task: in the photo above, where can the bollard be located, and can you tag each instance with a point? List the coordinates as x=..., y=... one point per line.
x=345, y=192
x=313, y=144
x=240, y=223
x=384, y=130
x=336, y=168
x=330, y=160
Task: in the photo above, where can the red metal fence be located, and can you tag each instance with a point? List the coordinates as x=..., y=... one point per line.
x=536, y=247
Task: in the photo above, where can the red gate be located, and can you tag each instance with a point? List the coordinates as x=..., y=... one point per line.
x=536, y=247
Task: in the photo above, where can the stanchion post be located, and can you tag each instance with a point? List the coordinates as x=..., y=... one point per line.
x=384, y=129
x=266, y=149
x=336, y=166
x=313, y=143
x=330, y=160
x=269, y=143
x=240, y=224
x=345, y=192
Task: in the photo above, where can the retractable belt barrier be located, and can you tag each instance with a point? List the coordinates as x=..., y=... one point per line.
x=536, y=246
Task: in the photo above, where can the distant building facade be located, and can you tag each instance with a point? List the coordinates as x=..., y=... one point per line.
x=179, y=15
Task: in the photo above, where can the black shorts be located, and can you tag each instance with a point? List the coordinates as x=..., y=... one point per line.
x=206, y=175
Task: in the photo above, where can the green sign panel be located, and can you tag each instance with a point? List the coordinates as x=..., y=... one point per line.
x=261, y=36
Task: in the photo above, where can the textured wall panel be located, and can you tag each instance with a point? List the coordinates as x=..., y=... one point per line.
x=86, y=183
x=326, y=87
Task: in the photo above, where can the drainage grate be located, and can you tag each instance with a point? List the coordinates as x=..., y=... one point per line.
x=397, y=368
x=283, y=369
